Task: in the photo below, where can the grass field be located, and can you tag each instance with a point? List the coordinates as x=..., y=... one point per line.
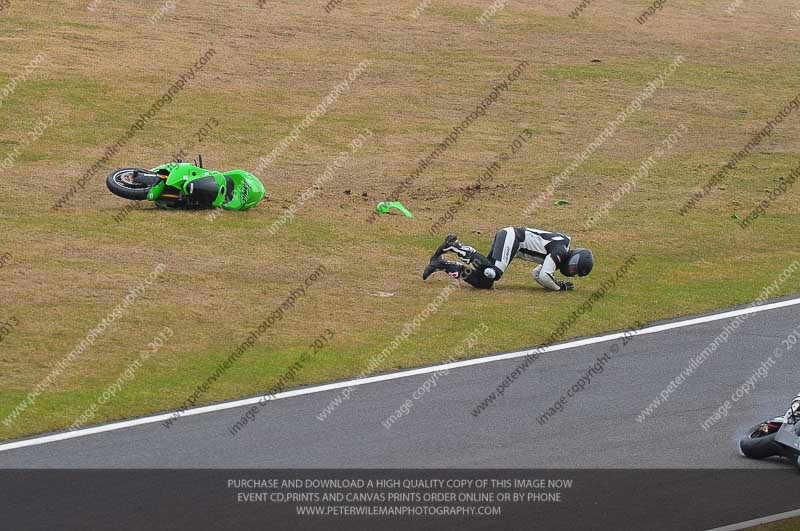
x=783, y=525
x=65, y=269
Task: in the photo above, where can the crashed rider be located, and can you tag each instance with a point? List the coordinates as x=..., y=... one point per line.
x=793, y=415
x=549, y=249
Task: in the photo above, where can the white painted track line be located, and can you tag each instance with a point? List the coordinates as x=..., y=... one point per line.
x=758, y=521
x=390, y=376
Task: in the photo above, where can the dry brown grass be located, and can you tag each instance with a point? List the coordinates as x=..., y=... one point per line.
x=272, y=67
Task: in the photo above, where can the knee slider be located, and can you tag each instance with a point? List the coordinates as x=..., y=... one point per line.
x=492, y=273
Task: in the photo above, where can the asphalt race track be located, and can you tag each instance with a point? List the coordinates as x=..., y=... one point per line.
x=596, y=429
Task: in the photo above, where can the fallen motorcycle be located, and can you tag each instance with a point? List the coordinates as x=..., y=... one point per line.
x=183, y=185
x=778, y=437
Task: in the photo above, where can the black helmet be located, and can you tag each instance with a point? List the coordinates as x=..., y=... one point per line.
x=578, y=262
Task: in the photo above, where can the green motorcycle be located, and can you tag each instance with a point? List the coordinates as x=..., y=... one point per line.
x=183, y=185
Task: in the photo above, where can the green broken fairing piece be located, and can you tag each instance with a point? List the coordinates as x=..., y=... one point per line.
x=560, y=202
x=734, y=216
x=384, y=206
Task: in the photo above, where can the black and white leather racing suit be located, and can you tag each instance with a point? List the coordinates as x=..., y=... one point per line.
x=549, y=249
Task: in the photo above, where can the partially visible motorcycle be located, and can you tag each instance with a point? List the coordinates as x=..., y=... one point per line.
x=183, y=185
x=779, y=436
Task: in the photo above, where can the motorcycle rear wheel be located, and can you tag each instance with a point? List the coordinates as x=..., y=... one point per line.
x=124, y=183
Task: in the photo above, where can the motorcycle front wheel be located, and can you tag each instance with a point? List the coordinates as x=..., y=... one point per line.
x=759, y=441
x=131, y=183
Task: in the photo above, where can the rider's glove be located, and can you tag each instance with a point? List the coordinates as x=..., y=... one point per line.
x=565, y=285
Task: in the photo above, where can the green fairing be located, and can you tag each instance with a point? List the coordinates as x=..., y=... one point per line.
x=383, y=208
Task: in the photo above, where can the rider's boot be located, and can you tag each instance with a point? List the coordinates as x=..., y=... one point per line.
x=451, y=244
x=438, y=263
